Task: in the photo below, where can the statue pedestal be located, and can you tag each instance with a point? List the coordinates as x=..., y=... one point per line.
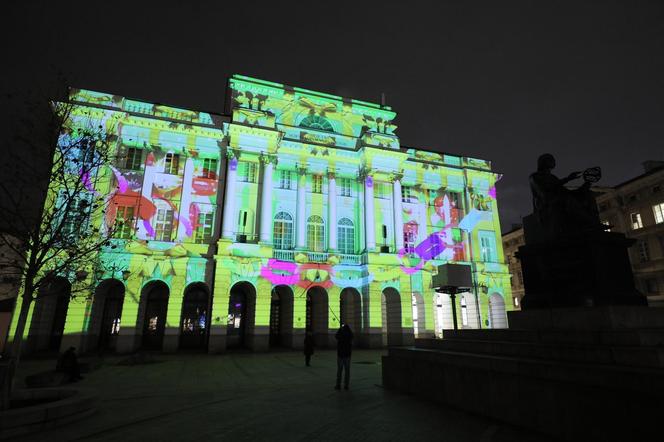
x=575, y=373
x=576, y=270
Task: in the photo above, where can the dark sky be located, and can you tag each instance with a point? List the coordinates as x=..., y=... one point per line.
x=497, y=80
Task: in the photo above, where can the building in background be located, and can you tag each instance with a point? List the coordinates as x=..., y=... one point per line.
x=512, y=240
x=636, y=208
x=297, y=210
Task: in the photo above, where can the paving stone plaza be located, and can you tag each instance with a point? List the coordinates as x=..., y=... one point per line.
x=255, y=397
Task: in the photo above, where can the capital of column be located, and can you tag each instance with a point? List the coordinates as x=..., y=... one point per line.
x=301, y=170
x=397, y=176
x=232, y=154
x=266, y=159
x=331, y=174
x=365, y=172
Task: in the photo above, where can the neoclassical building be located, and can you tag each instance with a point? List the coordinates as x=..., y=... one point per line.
x=297, y=210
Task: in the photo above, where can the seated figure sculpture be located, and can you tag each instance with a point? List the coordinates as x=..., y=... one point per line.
x=559, y=210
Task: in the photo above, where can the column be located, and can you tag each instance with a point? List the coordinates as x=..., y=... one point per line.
x=398, y=213
x=266, y=200
x=229, y=228
x=301, y=208
x=369, y=212
x=332, y=210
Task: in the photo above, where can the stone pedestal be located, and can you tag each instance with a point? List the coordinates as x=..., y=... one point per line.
x=586, y=269
x=575, y=373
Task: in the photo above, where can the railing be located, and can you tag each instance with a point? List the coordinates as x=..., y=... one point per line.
x=289, y=255
x=283, y=255
x=350, y=259
x=317, y=256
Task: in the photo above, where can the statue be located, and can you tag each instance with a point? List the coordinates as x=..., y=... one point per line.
x=559, y=210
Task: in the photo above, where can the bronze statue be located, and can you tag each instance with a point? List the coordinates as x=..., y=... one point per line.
x=558, y=209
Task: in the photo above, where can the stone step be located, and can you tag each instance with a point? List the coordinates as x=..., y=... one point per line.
x=589, y=318
x=634, y=356
x=647, y=380
x=642, y=336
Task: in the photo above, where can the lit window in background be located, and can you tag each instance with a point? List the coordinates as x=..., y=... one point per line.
x=636, y=221
x=658, y=210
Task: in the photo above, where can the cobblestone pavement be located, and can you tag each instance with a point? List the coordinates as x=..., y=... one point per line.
x=262, y=397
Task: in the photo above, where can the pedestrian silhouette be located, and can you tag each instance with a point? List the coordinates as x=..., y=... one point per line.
x=68, y=364
x=308, y=347
x=344, y=338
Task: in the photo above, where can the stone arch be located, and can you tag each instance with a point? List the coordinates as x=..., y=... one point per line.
x=195, y=316
x=391, y=317
x=317, y=315
x=350, y=310
x=106, y=314
x=241, y=314
x=497, y=314
x=49, y=315
x=281, y=316
x=419, y=315
x=154, y=306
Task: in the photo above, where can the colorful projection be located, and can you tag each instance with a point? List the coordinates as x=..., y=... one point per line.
x=315, y=191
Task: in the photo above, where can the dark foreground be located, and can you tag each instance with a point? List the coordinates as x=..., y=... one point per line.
x=254, y=397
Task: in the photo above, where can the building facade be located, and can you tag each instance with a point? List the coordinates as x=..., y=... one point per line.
x=512, y=240
x=636, y=208
x=297, y=210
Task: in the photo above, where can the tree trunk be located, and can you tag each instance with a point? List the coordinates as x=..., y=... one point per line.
x=9, y=369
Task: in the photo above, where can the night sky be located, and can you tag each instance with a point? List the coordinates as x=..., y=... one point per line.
x=502, y=81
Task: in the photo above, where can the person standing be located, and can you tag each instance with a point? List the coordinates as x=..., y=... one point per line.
x=308, y=347
x=344, y=338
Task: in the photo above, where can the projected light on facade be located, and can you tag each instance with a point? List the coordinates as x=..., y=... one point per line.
x=297, y=209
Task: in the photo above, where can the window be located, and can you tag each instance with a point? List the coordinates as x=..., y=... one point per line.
x=248, y=172
x=124, y=222
x=464, y=311
x=658, y=210
x=636, y=221
x=657, y=189
x=172, y=163
x=632, y=198
x=163, y=225
x=74, y=218
x=407, y=195
x=204, y=226
x=315, y=234
x=317, y=183
x=644, y=251
x=345, y=186
x=244, y=219
x=516, y=302
x=209, y=168
x=519, y=275
x=409, y=239
x=346, y=236
x=607, y=224
x=133, y=159
x=317, y=122
x=283, y=231
x=285, y=179
x=86, y=152
x=487, y=246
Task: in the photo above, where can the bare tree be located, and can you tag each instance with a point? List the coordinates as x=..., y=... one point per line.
x=52, y=213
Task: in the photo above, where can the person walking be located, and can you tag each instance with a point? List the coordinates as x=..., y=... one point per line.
x=308, y=347
x=344, y=338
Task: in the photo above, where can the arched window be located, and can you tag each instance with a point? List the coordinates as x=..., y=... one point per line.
x=346, y=236
x=283, y=231
x=315, y=234
x=317, y=122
